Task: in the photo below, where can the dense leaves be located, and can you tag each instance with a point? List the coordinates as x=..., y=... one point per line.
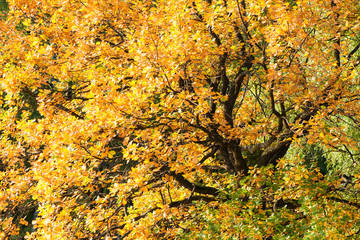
x=179, y=119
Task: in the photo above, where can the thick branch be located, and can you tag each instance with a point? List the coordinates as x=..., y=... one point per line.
x=235, y=89
x=337, y=38
x=274, y=152
x=190, y=200
x=61, y=107
x=214, y=36
x=353, y=51
x=192, y=186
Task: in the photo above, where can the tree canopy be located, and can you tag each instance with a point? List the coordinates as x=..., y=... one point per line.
x=144, y=119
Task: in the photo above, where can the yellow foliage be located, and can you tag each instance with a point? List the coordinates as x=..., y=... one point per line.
x=173, y=119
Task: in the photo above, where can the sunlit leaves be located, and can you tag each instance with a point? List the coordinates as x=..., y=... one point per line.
x=150, y=119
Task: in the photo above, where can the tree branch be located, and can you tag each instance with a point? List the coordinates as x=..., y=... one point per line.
x=192, y=186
